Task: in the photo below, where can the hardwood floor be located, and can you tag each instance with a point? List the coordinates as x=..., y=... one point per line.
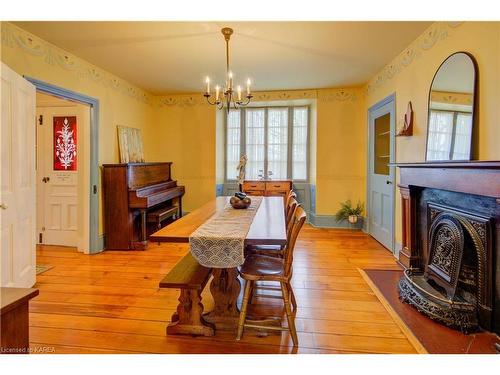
x=110, y=302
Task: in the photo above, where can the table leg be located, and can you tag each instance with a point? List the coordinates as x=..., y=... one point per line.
x=225, y=289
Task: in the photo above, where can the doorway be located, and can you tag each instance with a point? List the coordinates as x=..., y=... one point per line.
x=90, y=190
x=62, y=133
x=381, y=175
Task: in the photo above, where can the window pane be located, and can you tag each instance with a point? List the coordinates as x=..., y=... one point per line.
x=440, y=135
x=382, y=144
x=233, y=144
x=277, y=141
x=463, y=130
x=299, y=147
x=255, y=142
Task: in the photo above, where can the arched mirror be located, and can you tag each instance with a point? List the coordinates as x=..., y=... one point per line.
x=451, y=109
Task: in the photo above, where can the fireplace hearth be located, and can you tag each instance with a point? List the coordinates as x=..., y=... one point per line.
x=451, y=221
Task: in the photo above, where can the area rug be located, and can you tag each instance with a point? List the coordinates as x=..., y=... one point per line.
x=426, y=335
x=41, y=268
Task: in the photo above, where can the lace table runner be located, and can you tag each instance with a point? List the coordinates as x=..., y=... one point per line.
x=220, y=241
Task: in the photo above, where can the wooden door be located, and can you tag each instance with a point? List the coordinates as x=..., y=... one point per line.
x=17, y=181
x=58, y=146
x=380, y=174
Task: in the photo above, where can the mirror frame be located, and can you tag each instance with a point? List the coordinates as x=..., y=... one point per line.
x=474, y=133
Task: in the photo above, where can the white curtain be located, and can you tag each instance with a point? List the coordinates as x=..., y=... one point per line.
x=255, y=128
x=463, y=136
x=299, y=147
x=233, y=144
x=440, y=135
x=277, y=142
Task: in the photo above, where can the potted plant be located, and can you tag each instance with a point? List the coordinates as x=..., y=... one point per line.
x=348, y=212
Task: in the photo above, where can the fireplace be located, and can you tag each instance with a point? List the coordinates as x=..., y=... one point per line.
x=451, y=226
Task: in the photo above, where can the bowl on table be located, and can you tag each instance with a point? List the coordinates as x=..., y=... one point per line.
x=240, y=201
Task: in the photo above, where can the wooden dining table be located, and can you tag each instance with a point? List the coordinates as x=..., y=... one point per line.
x=267, y=228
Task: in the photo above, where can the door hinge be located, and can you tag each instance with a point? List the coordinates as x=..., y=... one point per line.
x=40, y=120
x=40, y=238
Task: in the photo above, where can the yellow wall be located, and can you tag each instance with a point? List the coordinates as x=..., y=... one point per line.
x=341, y=149
x=184, y=130
x=410, y=74
x=120, y=102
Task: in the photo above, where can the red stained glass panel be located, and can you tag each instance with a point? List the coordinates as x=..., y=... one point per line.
x=65, y=143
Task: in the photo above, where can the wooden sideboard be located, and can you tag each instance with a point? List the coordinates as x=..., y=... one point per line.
x=267, y=188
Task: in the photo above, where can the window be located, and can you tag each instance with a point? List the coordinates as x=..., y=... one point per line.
x=275, y=140
x=449, y=135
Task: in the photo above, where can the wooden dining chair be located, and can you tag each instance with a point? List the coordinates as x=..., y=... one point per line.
x=291, y=194
x=265, y=268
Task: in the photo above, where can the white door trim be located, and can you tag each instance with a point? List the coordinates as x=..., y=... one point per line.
x=391, y=99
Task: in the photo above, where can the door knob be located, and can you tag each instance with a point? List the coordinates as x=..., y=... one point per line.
x=46, y=179
x=3, y=206
x=388, y=182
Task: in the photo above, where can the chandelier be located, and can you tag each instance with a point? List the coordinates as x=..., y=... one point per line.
x=228, y=97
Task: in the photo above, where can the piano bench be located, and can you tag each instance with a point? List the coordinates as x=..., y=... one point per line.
x=160, y=214
x=190, y=277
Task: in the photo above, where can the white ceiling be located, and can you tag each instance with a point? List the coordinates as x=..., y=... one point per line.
x=174, y=57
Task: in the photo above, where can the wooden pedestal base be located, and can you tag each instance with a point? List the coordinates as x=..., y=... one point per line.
x=225, y=289
x=188, y=319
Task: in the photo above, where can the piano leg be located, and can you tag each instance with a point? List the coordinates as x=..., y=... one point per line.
x=180, y=208
x=143, y=226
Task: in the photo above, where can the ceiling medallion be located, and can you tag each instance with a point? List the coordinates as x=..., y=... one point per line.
x=229, y=98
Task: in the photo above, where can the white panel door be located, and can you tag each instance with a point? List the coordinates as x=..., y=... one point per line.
x=17, y=181
x=381, y=176
x=58, y=180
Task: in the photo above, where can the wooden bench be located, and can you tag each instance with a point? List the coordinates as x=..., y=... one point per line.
x=160, y=214
x=190, y=277
x=15, y=319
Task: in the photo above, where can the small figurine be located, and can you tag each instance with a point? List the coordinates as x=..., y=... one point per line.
x=241, y=171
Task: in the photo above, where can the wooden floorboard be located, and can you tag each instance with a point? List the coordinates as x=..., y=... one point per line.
x=111, y=303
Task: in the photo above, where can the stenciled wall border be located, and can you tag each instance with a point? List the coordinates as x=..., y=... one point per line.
x=340, y=95
x=436, y=32
x=15, y=37
x=324, y=95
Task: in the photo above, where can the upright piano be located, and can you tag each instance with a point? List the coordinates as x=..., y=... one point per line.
x=130, y=191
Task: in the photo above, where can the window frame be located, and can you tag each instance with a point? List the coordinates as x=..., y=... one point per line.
x=290, y=118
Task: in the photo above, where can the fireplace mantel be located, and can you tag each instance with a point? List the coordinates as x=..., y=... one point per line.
x=475, y=177
x=470, y=186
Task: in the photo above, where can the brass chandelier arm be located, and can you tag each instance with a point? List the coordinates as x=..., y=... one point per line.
x=207, y=96
x=249, y=98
